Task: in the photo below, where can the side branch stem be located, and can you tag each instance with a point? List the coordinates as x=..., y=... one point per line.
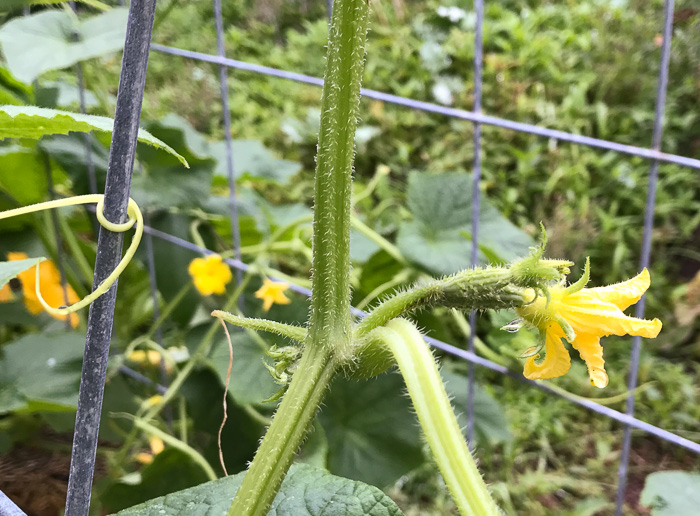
x=488, y=288
x=437, y=418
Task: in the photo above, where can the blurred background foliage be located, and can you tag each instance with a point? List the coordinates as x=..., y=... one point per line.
x=588, y=67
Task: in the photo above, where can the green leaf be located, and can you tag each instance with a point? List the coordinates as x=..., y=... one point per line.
x=440, y=252
x=314, y=451
x=490, y=423
x=306, y=491
x=376, y=271
x=501, y=236
x=60, y=93
x=165, y=184
x=35, y=122
x=9, y=270
x=372, y=432
x=22, y=174
x=21, y=92
x=16, y=4
x=438, y=237
x=203, y=394
x=43, y=371
x=53, y=39
x=172, y=187
x=171, y=470
x=13, y=91
x=250, y=157
x=70, y=153
x=361, y=247
x=250, y=380
x=671, y=493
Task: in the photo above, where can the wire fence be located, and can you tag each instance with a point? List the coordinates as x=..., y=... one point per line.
x=120, y=167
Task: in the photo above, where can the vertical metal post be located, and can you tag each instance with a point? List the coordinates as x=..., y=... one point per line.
x=476, y=200
x=223, y=87
x=109, y=246
x=8, y=507
x=662, y=86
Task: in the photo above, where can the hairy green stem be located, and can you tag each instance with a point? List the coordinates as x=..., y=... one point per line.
x=466, y=290
x=330, y=302
x=288, y=429
x=437, y=418
x=286, y=330
x=330, y=320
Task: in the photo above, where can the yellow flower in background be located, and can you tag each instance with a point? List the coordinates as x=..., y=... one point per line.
x=272, y=292
x=6, y=294
x=582, y=316
x=210, y=274
x=156, y=444
x=152, y=402
x=149, y=357
x=140, y=356
x=49, y=284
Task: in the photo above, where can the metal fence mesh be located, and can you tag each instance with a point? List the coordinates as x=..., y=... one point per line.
x=127, y=120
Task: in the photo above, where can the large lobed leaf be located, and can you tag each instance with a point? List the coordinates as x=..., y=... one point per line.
x=41, y=372
x=306, y=491
x=490, y=423
x=438, y=237
x=35, y=122
x=250, y=380
x=672, y=493
x=52, y=39
x=372, y=432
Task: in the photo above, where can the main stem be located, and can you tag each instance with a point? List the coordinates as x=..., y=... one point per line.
x=330, y=302
x=330, y=321
x=288, y=428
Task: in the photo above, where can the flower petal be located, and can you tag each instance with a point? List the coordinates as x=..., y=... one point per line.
x=591, y=352
x=624, y=294
x=6, y=294
x=588, y=314
x=556, y=362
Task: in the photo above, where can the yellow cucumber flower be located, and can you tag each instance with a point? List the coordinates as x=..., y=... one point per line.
x=6, y=294
x=582, y=316
x=210, y=274
x=272, y=292
x=156, y=444
x=49, y=284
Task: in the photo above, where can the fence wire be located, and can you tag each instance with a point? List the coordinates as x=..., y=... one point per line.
x=476, y=203
x=135, y=60
x=662, y=87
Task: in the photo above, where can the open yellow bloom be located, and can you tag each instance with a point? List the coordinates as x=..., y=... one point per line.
x=272, y=292
x=582, y=316
x=49, y=284
x=210, y=274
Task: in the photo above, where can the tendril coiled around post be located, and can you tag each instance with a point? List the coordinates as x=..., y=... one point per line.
x=135, y=219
